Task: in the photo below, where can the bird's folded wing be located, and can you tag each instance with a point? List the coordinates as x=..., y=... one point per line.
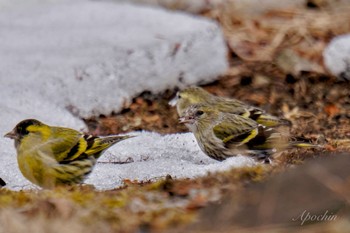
x=67, y=145
x=235, y=130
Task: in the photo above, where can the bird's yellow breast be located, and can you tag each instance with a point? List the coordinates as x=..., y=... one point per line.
x=31, y=166
x=33, y=162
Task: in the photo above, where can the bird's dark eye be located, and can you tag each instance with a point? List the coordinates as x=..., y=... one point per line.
x=178, y=96
x=199, y=113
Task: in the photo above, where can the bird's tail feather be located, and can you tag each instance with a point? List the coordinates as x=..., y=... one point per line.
x=102, y=143
x=300, y=144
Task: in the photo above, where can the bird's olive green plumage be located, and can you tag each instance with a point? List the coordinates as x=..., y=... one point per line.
x=50, y=156
x=221, y=135
x=197, y=95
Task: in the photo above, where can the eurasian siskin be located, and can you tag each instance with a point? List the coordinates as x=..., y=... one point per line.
x=51, y=156
x=197, y=95
x=221, y=135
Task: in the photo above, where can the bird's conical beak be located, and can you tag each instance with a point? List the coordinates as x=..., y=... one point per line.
x=173, y=102
x=184, y=120
x=12, y=134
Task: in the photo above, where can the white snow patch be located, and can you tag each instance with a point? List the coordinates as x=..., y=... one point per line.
x=93, y=57
x=336, y=57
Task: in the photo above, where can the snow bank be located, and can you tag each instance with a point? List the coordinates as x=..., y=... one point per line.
x=152, y=156
x=94, y=57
